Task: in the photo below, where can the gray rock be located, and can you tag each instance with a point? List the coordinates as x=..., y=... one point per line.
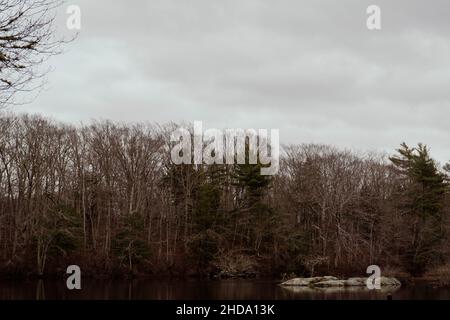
x=319, y=292
x=385, y=281
x=307, y=282
x=330, y=282
x=355, y=282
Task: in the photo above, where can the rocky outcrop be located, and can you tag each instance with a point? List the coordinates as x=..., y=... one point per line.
x=307, y=282
x=333, y=282
x=333, y=291
x=355, y=282
x=330, y=284
x=385, y=281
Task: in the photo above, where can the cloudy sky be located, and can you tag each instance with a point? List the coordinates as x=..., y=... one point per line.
x=310, y=68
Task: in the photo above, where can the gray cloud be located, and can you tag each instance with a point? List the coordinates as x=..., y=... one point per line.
x=310, y=68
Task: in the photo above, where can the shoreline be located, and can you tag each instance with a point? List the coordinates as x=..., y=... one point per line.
x=425, y=281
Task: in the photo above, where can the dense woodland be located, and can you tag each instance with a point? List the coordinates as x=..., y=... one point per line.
x=107, y=197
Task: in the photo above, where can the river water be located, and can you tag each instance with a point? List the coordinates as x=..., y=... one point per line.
x=195, y=289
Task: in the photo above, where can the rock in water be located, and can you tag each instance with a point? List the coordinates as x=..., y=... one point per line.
x=385, y=281
x=307, y=282
x=330, y=284
x=355, y=282
x=333, y=282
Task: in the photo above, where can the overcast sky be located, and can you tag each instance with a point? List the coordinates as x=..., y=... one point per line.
x=310, y=68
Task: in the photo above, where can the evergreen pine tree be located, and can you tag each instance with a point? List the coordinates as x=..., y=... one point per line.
x=421, y=201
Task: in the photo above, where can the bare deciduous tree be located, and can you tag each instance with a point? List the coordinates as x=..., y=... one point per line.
x=27, y=39
x=109, y=194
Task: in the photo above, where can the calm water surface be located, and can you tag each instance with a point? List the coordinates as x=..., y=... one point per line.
x=195, y=289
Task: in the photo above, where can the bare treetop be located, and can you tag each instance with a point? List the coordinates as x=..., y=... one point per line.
x=26, y=41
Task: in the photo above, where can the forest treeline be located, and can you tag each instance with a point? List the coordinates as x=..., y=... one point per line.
x=107, y=197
